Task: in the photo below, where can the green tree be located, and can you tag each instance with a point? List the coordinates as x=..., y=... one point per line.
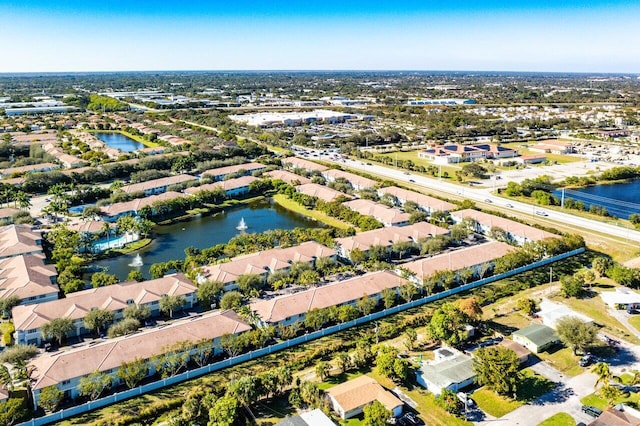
x=388, y=297
x=57, y=329
x=576, y=334
x=169, y=304
x=231, y=300
x=7, y=304
x=18, y=353
x=410, y=338
x=94, y=384
x=138, y=312
x=322, y=370
x=603, y=372
x=446, y=324
x=135, y=275
x=375, y=414
x=50, y=397
x=12, y=411
x=449, y=401
x=102, y=279
x=98, y=319
x=366, y=304
x=571, y=286
x=315, y=319
x=132, y=373
x=208, y=293
x=248, y=284
x=357, y=256
x=224, y=411
x=497, y=368
x=526, y=305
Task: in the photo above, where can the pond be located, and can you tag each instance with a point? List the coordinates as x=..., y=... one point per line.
x=620, y=199
x=169, y=241
x=119, y=141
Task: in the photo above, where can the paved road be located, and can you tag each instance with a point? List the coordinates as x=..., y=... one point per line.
x=481, y=195
x=565, y=398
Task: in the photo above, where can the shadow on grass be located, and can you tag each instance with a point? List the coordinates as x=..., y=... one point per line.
x=533, y=387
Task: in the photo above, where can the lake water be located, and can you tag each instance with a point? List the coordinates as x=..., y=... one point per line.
x=620, y=199
x=169, y=241
x=119, y=141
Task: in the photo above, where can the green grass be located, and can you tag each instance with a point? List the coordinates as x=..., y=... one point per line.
x=560, y=419
x=635, y=321
x=596, y=401
x=594, y=308
x=131, y=247
x=413, y=156
x=561, y=159
x=293, y=206
x=563, y=360
x=531, y=387
x=494, y=404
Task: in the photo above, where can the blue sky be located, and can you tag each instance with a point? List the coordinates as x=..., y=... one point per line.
x=510, y=35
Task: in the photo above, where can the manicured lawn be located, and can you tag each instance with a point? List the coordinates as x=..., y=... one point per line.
x=595, y=400
x=413, y=156
x=298, y=208
x=494, y=404
x=563, y=360
x=561, y=159
x=531, y=387
x=594, y=308
x=136, y=245
x=560, y=419
x=635, y=321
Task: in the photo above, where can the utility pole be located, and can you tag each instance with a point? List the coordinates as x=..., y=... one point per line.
x=550, y=274
x=562, y=199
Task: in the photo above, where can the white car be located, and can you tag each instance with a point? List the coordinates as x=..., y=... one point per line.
x=509, y=205
x=541, y=213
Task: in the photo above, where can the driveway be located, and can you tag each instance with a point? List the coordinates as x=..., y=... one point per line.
x=565, y=398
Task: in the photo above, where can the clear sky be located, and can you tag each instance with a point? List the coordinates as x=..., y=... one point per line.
x=504, y=35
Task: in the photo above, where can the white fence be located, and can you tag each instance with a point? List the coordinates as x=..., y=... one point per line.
x=121, y=396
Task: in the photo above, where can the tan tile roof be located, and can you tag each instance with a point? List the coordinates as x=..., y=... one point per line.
x=220, y=171
x=277, y=309
x=320, y=191
x=55, y=368
x=510, y=226
x=379, y=211
x=19, y=239
x=26, y=276
x=265, y=261
x=158, y=183
x=288, y=177
x=354, y=179
x=459, y=259
x=392, y=234
x=90, y=226
x=76, y=305
x=138, y=203
x=226, y=185
x=361, y=391
x=29, y=168
x=420, y=199
x=300, y=163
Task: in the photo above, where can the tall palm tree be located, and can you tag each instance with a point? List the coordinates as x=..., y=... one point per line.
x=604, y=374
x=23, y=200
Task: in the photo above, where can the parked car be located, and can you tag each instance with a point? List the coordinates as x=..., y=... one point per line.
x=591, y=410
x=412, y=419
x=587, y=360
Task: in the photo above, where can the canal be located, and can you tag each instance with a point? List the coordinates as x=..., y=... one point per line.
x=170, y=241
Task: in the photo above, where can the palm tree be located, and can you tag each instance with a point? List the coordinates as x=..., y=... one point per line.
x=603, y=372
x=23, y=200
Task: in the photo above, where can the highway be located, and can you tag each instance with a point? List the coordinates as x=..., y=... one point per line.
x=483, y=195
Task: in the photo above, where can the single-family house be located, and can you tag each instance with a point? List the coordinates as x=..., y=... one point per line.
x=348, y=399
x=536, y=337
x=620, y=415
x=310, y=418
x=551, y=313
x=451, y=370
x=521, y=352
x=621, y=297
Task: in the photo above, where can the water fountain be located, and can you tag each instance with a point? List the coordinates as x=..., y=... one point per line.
x=242, y=226
x=137, y=261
